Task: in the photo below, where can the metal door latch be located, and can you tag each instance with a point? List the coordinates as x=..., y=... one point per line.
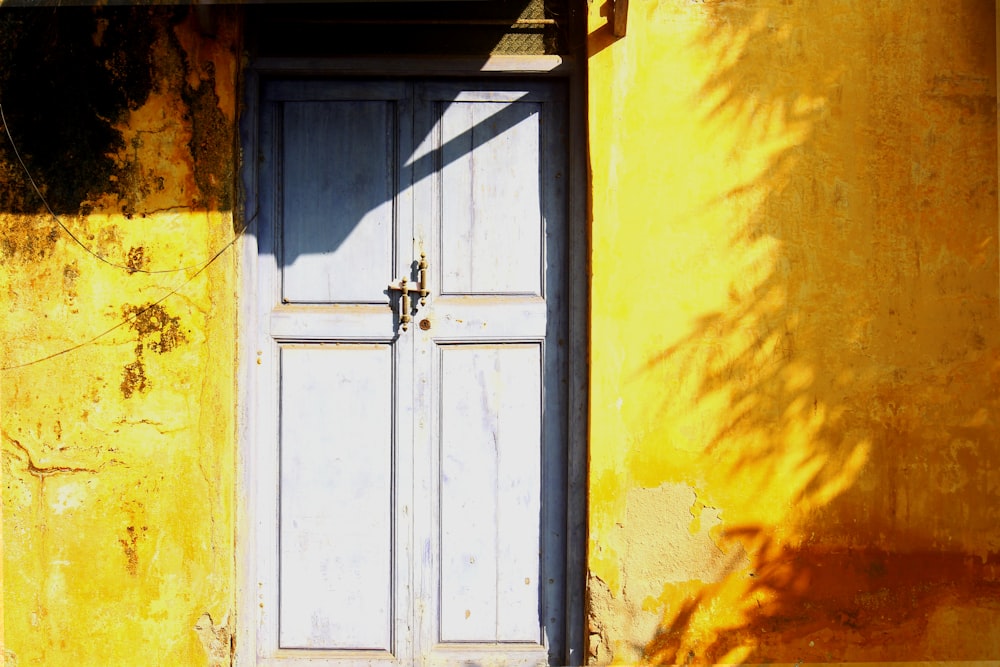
x=424, y=291
x=404, y=302
x=403, y=286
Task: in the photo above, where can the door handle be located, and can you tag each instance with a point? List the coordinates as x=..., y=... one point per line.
x=404, y=302
x=423, y=279
x=403, y=286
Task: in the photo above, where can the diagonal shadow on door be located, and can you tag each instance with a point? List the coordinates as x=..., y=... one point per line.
x=363, y=187
x=344, y=131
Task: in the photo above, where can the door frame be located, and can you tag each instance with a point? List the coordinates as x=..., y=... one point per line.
x=578, y=296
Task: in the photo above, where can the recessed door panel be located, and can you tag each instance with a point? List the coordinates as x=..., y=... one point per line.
x=491, y=222
x=338, y=196
x=490, y=492
x=336, y=515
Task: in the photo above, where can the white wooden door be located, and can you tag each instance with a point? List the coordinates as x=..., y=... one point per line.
x=409, y=478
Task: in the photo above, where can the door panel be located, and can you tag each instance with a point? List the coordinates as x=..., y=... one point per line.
x=338, y=187
x=332, y=522
x=336, y=496
x=410, y=483
x=489, y=365
x=490, y=491
x=491, y=218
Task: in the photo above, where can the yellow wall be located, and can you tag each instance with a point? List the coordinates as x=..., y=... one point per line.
x=118, y=455
x=795, y=426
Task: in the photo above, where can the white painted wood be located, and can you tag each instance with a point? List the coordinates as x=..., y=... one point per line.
x=490, y=492
x=488, y=356
x=519, y=490
x=469, y=442
x=499, y=318
x=333, y=539
x=491, y=219
x=337, y=202
x=345, y=322
x=336, y=356
x=246, y=488
x=335, y=493
x=265, y=519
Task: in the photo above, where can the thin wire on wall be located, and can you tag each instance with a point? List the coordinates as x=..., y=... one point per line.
x=197, y=268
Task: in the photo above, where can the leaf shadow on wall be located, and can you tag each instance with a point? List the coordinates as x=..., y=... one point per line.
x=827, y=410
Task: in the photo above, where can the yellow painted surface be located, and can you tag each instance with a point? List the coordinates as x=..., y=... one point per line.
x=118, y=466
x=795, y=436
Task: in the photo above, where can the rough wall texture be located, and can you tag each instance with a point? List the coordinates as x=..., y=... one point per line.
x=117, y=455
x=796, y=373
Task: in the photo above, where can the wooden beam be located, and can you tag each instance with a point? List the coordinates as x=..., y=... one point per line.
x=619, y=17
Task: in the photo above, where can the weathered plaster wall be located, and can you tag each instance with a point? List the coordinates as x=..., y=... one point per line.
x=795, y=413
x=118, y=455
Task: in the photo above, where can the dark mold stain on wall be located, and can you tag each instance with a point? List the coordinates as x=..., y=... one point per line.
x=67, y=75
x=157, y=332
x=22, y=238
x=211, y=143
x=130, y=547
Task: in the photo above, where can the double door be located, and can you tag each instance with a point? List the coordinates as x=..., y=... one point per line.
x=410, y=423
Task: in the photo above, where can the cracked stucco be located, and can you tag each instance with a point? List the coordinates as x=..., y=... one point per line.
x=216, y=640
x=118, y=456
x=667, y=537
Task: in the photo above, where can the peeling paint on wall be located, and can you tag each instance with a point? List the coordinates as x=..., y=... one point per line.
x=672, y=509
x=118, y=357
x=216, y=640
x=667, y=537
x=157, y=332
